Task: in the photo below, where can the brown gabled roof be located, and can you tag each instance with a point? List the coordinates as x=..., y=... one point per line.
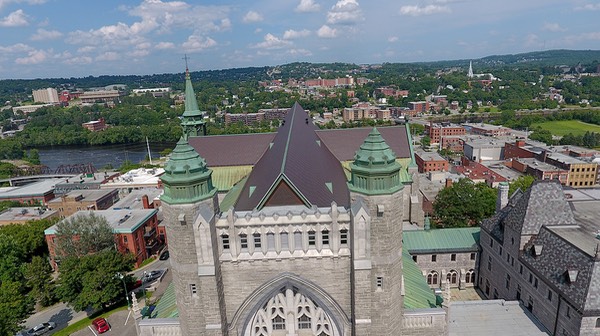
x=232, y=150
x=344, y=143
x=297, y=168
x=246, y=149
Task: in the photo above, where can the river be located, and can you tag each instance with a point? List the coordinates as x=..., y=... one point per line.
x=99, y=156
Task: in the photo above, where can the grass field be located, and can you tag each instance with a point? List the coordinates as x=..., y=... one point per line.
x=563, y=127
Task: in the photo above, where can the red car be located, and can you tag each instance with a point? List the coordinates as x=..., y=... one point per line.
x=101, y=325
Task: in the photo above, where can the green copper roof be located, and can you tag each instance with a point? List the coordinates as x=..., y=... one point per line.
x=375, y=169
x=417, y=293
x=167, y=305
x=191, y=104
x=442, y=240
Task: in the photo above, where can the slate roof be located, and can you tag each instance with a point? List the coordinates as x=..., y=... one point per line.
x=442, y=240
x=296, y=167
x=247, y=149
x=543, y=203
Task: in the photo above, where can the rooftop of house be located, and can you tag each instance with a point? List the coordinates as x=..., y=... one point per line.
x=476, y=171
x=140, y=176
x=539, y=165
x=417, y=293
x=442, y=240
x=25, y=214
x=33, y=189
x=122, y=221
x=133, y=200
x=429, y=156
x=492, y=317
x=86, y=195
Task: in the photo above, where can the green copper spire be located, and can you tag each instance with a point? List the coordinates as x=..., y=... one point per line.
x=186, y=178
x=192, y=120
x=375, y=170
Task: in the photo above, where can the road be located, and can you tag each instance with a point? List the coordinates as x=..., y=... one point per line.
x=63, y=315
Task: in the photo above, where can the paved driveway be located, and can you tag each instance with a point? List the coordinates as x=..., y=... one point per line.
x=117, y=326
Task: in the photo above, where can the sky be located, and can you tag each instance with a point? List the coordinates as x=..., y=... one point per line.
x=60, y=38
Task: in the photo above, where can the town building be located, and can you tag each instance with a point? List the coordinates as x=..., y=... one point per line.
x=483, y=149
x=319, y=252
x=581, y=173
x=85, y=181
x=95, y=125
x=430, y=161
x=479, y=173
x=37, y=193
x=79, y=200
x=101, y=96
x=542, y=250
x=437, y=132
x=250, y=119
x=135, y=179
x=135, y=232
x=25, y=214
x=487, y=130
x=26, y=109
x=539, y=170
x=47, y=96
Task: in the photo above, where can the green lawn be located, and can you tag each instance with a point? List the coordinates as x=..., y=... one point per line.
x=563, y=127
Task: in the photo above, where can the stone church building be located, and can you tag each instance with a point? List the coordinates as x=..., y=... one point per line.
x=305, y=240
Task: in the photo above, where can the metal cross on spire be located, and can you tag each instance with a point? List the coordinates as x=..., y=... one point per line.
x=185, y=57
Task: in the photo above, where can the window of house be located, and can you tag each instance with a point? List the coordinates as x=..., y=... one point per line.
x=344, y=237
x=244, y=241
x=285, y=244
x=125, y=239
x=432, y=278
x=225, y=242
x=472, y=256
x=325, y=237
x=598, y=323
x=312, y=238
x=380, y=282
x=507, y=257
x=568, y=312
x=452, y=277
x=520, y=269
x=489, y=266
x=549, y=295
x=271, y=241
x=414, y=258
x=453, y=257
x=433, y=258
x=193, y=290
x=508, y=281
x=298, y=240
x=530, y=278
x=257, y=241
x=500, y=250
x=535, y=283
x=491, y=242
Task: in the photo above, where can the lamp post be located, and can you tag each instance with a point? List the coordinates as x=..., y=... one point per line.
x=122, y=277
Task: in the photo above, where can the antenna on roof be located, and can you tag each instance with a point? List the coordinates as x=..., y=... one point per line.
x=185, y=57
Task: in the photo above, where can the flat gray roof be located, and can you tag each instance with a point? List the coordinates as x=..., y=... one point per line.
x=492, y=317
x=122, y=221
x=134, y=199
x=33, y=189
x=25, y=214
x=535, y=163
x=87, y=194
x=565, y=158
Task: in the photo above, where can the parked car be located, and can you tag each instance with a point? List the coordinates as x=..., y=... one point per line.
x=164, y=255
x=152, y=275
x=41, y=329
x=101, y=325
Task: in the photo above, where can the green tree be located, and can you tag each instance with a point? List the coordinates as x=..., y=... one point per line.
x=38, y=277
x=82, y=234
x=464, y=204
x=92, y=281
x=425, y=141
x=523, y=183
x=14, y=307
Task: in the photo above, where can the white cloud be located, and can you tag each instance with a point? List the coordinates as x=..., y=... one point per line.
x=272, y=42
x=17, y=18
x=326, y=32
x=108, y=56
x=164, y=45
x=417, y=10
x=553, y=27
x=33, y=57
x=15, y=48
x=307, y=6
x=299, y=52
x=78, y=60
x=138, y=53
x=198, y=43
x=392, y=39
x=588, y=7
x=251, y=17
x=294, y=34
x=43, y=34
x=345, y=12
x=86, y=49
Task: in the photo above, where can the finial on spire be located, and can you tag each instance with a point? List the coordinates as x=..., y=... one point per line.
x=185, y=57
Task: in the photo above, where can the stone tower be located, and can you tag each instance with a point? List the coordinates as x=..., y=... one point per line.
x=377, y=209
x=189, y=205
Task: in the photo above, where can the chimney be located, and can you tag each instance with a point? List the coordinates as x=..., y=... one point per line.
x=145, y=202
x=448, y=182
x=520, y=143
x=502, y=199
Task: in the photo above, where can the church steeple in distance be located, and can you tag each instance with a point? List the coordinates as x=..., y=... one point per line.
x=470, y=73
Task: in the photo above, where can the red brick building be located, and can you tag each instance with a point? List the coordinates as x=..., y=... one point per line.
x=430, y=161
x=95, y=125
x=438, y=131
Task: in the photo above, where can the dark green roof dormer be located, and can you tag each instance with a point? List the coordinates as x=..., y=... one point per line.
x=192, y=119
x=375, y=170
x=187, y=179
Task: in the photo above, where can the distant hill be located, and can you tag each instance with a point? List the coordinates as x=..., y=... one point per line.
x=548, y=57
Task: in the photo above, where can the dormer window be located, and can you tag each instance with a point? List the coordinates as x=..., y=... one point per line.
x=569, y=276
x=536, y=250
